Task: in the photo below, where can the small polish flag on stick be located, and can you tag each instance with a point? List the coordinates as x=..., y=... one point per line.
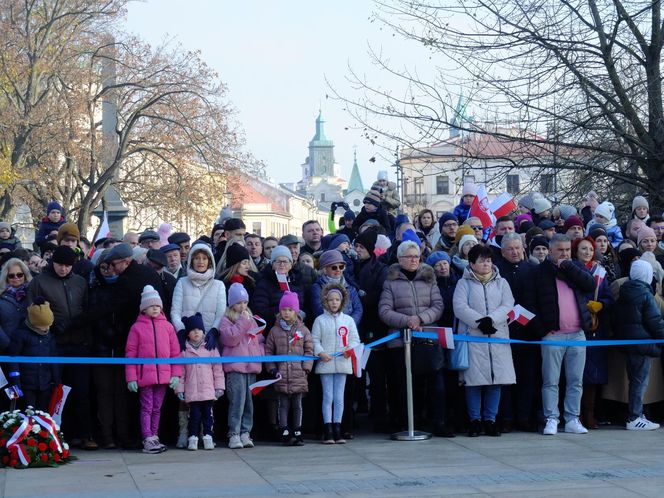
x=57, y=404
x=257, y=387
x=502, y=205
x=282, y=278
x=520, y=315
x=599, y=274
x=445, y=337
x=356, y=355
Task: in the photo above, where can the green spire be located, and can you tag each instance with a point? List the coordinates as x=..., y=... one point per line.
x=355, y=182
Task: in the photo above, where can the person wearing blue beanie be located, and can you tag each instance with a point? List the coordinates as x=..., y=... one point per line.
x=436, y=256
x=412, y=236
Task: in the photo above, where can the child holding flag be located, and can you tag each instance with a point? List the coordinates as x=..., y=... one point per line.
x=240, y=337
x=334, y=335
x=289, y=336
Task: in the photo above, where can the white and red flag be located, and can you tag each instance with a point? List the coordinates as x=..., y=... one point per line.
x=502, y=205
x=520, y=315
x=480, y=208
x=57, y=404
x=104, y=232
x=445, y=337
x=599, y=274
x=356, y=355
x=282, y=278
x=257, y=387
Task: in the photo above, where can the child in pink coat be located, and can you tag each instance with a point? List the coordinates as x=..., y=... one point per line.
x=152, y=336
x=201, y=383
x=238, y=332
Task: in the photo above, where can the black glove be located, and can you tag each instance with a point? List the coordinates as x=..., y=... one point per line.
x=486, y=326
x=345, y=206
x=211, y=339
x=333, y=207
x=182, y=339
x=274, y=372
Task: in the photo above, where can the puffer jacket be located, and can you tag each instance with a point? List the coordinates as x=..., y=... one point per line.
x=237, y=341
x=284, y=342
x=637, y=316
x=490, y=364
x=12, y=313
x=199, y=380
x=265, y=301
x=152, y=338
x=46, y=226
x=327, y=339
x=353, y=306
x=461, y=211
x=28, y=342
x=402, y=298
x=196, y=294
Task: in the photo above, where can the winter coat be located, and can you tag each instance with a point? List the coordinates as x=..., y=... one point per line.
x=390, y=196
x=446, y=286
x=613, y=232
x=12, y=314
x=380, y=215
x=195, y=295
x=34, y=376
x=265, y=301
x=46, y=226
x=402, y=298
x=168, y=283
x=433, y=235
x=200, y=380
x=541, y=295
x=293, y=373
x=517, y=275
x=596, y=368
x=370, y=276
x=109, y=337
x=461, y=212
x=68, y=298
x=490, y=364
x=152, y=338
x=128, y=290
x=353, y=306
x=15, y=241
x=237, y=341
x=637, y=316
x=325, y=334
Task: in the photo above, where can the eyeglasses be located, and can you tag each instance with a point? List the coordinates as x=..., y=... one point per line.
x=16, y=275
x=104, y=267
x=412, y=258
x=281, y=262
x=450, y=225
x=337, y=267
x=477, y=227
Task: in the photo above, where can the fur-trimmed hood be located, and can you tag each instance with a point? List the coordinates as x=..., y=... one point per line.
x=424, y=272
x=329, y=287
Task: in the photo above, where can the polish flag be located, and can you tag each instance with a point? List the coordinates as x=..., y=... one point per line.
x=57, y=404
x=520, y=315
x=480, y=208
x=503, y=205
x=103, y=233
x=356, y=355
x=257, y=387
x=599, y=274
x=282, y=278
x=445, y=337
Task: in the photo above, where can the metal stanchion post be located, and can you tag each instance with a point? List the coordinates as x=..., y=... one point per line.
x=411, y=434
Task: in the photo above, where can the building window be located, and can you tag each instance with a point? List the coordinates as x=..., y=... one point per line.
x=442, y=185
x=256, y=227
x=548, y=183
x=322, y=196
x=419, y=184
x=513, y=184
x=356, y=202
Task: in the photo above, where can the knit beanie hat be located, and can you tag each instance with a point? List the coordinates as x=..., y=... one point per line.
x=463, y=230
x=236, y=253
x=68, y=230
x=290, y=300
x=526, y=201
x=236, y=294
x=411, y=235
x=525, y=226
x=281, y=251
x=382, y=175
x=469, y=189
x=444, y=218
x=532, y=233
x=566, y=211
x=53, y=205
x=373, y=197
x=337, y=240
x=349, y=215
x=521, y=218
x=40, y=314
x=466, y=238
x=150, y=297
x=572, y=221
x=540, y=205
x=329, y=258
x=537, y=242
x=625, y=258
x=640, y=201
x=436, y=256
x=193, y=322
x=644, y=232
x=605, y=209
x=546, y=224
x=5, y=225
x=234, y=224
x=597, y=231
x=367, y=239
x=641, y=270
x=400, y=219
x=64, y=255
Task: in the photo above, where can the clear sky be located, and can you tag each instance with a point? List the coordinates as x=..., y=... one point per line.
x=275, y=58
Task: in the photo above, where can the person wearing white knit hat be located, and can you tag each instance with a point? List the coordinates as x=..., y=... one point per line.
x=640, y=208
x=460, y=259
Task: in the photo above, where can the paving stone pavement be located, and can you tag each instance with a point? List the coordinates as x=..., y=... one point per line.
x=608, y=462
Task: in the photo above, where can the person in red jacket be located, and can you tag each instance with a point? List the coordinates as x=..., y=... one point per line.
x=152, y=336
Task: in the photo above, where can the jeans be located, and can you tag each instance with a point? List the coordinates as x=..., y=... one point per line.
x=240, y=404
x=552, y=361
x=638, y=369
x=286, y=402
x=333, y=394
x=200, y=411
x=488, y=396
x=151, y=398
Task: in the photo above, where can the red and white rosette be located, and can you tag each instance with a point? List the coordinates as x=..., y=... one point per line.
x=343, y=336
x=297, y=336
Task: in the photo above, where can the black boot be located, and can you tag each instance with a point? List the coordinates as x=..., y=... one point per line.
x=285, y=436
x=338, y=438
x=491, y=428
x=297, y=439
x=328, y=434
x=474, y=428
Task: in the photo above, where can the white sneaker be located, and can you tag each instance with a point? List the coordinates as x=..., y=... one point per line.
x=574, y=426
x=234, y=442
x=208, y=442
x=551, y=427
x=246, y=440
x=641, y=424
x=150, y=445
x=192, y=443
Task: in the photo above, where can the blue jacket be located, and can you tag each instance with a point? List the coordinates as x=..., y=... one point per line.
x=47, y=226
x=353, y=306
x=461, y=212
x=637, y=316
x=34, y=376
x=12, y=313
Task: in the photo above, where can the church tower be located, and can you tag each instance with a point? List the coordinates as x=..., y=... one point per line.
x=321, y=151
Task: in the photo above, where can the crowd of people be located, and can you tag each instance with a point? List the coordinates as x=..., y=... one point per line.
x=231, y=293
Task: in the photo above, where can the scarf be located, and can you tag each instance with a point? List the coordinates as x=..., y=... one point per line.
x=18, y=293
x=237, y=279
x=196, y=345
x=483, y=279
x=285, y=325
x=199, y=279
x=329, y=280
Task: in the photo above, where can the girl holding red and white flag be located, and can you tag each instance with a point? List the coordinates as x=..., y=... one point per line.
x=334, y=333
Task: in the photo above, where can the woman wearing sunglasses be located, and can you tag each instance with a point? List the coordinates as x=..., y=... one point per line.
x=14, y=279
